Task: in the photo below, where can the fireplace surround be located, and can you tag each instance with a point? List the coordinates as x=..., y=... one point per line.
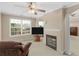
x=59, y=39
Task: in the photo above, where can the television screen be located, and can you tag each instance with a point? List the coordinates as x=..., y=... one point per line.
x=37, y=30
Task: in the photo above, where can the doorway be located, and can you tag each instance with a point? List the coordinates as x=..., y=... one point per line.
x=74, y=32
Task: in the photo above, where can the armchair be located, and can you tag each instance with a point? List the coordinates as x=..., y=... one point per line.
x=11, y=48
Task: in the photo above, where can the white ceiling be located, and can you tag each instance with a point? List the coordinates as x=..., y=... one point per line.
x=76, y=13
x=19, y=8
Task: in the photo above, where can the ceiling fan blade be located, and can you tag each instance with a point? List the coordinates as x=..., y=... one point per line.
x=41, y=10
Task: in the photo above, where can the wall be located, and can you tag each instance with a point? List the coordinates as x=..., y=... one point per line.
x=54, y=21
x=5, y=29
x=0, y=26
x=54, y=18
x=75, y=22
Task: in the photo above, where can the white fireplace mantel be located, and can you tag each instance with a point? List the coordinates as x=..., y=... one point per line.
x=57, y=33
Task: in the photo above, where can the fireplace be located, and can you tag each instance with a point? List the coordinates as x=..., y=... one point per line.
x=51, y=41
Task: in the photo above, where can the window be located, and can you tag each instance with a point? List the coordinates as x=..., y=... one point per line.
x=41, y=23
x=26, y=27
x=20, y=27
x=15, y=27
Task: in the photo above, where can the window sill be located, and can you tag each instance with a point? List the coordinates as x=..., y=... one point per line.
x=19, y=35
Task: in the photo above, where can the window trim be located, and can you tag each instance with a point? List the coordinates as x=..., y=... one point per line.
x=21, y=28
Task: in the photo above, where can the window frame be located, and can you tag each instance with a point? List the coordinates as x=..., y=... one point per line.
x=21, y=27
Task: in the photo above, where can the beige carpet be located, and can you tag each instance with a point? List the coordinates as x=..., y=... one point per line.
x=40, y=49
x=75, y=45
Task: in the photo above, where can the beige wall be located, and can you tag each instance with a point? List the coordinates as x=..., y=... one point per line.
x=54, y=21
x=75, y=23
x=0, y=26
x=5, y=29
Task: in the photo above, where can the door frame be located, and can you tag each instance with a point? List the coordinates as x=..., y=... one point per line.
x=67, y=33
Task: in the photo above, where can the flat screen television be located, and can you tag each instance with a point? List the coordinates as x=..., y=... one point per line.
x=37, y=30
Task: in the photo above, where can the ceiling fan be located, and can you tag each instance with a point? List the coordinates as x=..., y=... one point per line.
x=32, y=6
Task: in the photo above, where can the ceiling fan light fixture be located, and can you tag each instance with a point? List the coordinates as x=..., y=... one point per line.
x=32, y=11
x=33, y=6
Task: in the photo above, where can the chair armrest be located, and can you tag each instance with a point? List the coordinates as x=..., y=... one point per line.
x=27, y=46
x=26, y=49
